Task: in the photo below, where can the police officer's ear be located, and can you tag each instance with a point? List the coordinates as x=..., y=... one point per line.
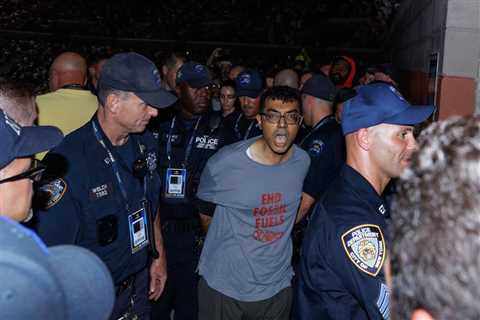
x=363, y=138
x=259, y=119
x=164, y=72
x=421, y=314
x=112, y=103
x=180, y=87
x=53, y=80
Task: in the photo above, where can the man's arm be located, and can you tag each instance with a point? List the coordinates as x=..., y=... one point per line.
x=305, y=205
x=205, y=222
x=205, y=210
x=158, y=269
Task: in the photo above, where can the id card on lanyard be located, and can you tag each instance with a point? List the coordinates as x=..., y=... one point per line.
x=176, y=178
x=137, y=225
x=138, y=220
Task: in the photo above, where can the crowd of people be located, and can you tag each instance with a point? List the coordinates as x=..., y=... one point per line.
x=189, y=190
x=230, y=21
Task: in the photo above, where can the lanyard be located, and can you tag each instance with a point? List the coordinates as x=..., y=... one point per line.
x=188, y=150
x=115, y=168
x=237, y=131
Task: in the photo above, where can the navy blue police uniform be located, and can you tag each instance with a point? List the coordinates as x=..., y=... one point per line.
x=341, y=269
x=186, y=146
x=94, y=200
x=325, y=145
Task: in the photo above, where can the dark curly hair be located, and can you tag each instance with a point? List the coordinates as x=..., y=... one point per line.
x=282, y=93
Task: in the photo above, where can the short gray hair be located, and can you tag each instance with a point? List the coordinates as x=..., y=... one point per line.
x=103, y=92
x=436, y=225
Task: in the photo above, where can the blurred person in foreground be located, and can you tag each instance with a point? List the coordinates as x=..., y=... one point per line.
x=57, y=283
x=435, y=226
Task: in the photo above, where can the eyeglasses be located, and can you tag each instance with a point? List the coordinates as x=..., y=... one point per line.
x=291, y=118
x=34, y=173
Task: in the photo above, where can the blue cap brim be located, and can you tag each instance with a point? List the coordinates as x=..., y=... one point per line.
x=412, y=115
x=249, y=93
x=158, y=99
x=86, y=281
x=37, y=139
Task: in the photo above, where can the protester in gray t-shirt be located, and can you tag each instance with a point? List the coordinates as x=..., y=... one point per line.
x=256, y=186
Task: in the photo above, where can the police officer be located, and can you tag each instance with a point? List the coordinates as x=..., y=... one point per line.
x=103, y=194
x=187, y=141
x=249, y=87
x=341, y=269
x=324, y=143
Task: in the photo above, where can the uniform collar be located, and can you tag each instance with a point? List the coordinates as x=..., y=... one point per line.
x=319, y=124
x=364, y=190
x=323, y=121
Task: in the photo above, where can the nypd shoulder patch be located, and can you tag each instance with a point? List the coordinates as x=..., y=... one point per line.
x=53, y=192
x=365, y=247
x=316, y=147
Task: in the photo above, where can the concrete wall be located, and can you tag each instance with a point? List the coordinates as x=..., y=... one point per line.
x=451, y=28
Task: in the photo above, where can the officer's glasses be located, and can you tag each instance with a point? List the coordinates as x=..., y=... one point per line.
x=291, y=118
x=34, y=173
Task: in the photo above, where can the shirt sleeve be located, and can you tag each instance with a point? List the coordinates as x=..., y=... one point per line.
x=208, y=186
x=331, y=287
x=56, y=210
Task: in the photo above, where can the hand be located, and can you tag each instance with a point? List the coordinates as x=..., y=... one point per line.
x=158, y=277
x=217, y=52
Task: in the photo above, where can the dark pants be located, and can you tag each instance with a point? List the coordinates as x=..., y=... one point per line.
x=180, y=293
x=214, y=305
x=137, y=288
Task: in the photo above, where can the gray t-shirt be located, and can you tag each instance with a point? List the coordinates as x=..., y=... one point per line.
x=247, y=252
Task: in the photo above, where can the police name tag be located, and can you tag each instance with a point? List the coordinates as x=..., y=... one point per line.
x=175, y=181
x=137, y=224
x=365, y=246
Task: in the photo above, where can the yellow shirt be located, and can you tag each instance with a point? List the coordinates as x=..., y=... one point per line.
x=67, y=109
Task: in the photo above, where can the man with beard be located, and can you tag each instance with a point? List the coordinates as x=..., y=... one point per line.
x=187, y=141
x=342, y=272
x=342, y=73
x=249, y=86
x=246, y=261
x=102, y=187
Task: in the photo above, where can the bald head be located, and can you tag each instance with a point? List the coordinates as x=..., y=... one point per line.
x=286, y=77
x=69, y=68
x=235, y=71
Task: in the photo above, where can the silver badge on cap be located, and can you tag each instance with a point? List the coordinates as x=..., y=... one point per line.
x=244, y=79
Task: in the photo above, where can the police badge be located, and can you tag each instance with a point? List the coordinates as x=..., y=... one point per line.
x=52, y=192
x=365, y=246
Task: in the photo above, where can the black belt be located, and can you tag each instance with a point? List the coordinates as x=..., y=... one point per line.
x=125, y=284
x=181, y=225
